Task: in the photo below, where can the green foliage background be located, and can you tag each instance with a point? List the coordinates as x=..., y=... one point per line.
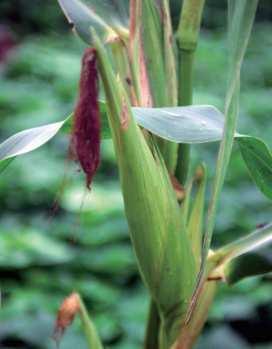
x=83, y=245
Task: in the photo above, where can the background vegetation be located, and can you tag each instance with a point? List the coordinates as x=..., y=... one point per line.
x=48, y=250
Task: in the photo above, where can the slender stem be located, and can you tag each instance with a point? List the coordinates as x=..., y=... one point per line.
x=187, y=37
x=186, y=58
x=91, y=334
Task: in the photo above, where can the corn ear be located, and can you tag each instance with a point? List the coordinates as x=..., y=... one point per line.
x=157, y=231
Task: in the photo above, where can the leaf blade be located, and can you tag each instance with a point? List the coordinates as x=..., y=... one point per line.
x=255, y=263
x=192, y=124
x=237, y=258
x=258, y=159
x=88, y=13
x=28, y=140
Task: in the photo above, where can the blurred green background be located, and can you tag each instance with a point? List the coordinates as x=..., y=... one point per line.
x=55, y=237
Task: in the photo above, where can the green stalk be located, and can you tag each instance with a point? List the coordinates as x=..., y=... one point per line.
x=91, y=335
x=187, y=37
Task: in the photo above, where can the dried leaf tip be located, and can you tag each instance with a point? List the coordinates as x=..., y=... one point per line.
x=66, y=314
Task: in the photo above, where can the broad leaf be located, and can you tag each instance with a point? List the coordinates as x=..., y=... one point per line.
x=258, y=159
x=106, y=16
x=26, y=141
x=193, y=124
x=31, y=139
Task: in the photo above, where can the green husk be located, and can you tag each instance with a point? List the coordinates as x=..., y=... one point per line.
x=191, y=331
x=169, y=149
x=157, y=232
x=195, y=224
x=152, y=41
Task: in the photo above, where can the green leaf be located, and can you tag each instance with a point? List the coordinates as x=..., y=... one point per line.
x=251, y=264
x=241, y=18
x=31, y=139
x=192, y=124
x=258, y=159
x=247, y=256
x=27, y=141
x=85, y=14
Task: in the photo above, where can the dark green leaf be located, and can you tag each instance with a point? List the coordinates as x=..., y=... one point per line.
x=258, y=159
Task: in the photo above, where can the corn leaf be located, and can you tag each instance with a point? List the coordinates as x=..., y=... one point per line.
x=258, y=159
x=241, y=17
x=28, y=140
x=247, y=256
x=250, y=264
x=84, y=14
x=193, y=124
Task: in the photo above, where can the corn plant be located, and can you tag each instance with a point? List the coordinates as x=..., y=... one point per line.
x=143, y=67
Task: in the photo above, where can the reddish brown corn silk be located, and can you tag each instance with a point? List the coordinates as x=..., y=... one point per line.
x=85, y=143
